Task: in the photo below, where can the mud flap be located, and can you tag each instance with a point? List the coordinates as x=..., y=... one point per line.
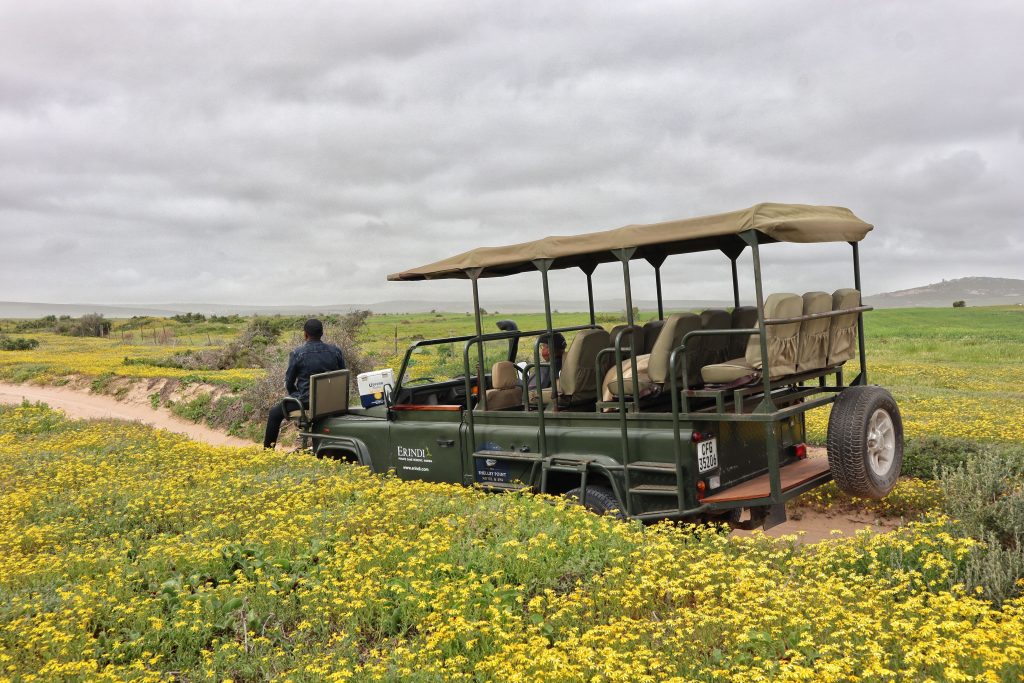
x=776, y=515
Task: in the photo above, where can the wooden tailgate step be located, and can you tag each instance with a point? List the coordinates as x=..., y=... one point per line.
x=790, y=476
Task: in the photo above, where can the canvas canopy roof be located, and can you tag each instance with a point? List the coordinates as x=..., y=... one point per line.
x=773, y=223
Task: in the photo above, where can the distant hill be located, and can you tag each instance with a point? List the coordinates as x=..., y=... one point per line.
x=974, y=291
x=23, y=310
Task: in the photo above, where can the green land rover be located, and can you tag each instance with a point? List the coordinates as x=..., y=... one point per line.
x=692, y=416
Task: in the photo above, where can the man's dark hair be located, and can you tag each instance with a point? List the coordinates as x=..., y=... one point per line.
x=314, y=328
x=559, y=344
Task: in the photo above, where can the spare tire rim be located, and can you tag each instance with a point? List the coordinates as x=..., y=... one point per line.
x=881, y=442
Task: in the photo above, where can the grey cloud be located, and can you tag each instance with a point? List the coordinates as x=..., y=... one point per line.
x=220, y=149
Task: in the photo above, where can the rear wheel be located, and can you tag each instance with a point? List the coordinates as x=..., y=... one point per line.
x=865, y=441
x=600, y=500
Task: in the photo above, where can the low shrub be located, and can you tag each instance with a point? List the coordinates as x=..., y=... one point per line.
x=924, y=457
x=17, y=343
x=985, y=495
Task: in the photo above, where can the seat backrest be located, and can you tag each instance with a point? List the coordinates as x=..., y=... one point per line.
x=578, y=378
x=783, y=340
x=506, y=392
x=743, y=318
x=328, y=394
x=651, y=332
x=675, y=328
x=630, y=339
x=814, y=333
x=842, y=342
x=714, y=349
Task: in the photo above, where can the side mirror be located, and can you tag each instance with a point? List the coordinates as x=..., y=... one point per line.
x=388, y=400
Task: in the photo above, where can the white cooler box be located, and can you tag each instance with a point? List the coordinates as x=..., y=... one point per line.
x=371, y=386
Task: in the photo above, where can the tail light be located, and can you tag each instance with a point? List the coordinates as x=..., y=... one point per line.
x=696, y=437
x=800, y=450
x=701, y=487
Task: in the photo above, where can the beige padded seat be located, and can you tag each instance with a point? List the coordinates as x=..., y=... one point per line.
x=783, y=345
x=653, y=369
x=578, y=379
x=743, y=318
x=814, y=333
x=651, y=332
x=709, y=350
x=842, y=342
x=634, y=338
x=507, y=393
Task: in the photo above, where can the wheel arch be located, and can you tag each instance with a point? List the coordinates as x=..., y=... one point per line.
x=344, y=448
x=598, y=474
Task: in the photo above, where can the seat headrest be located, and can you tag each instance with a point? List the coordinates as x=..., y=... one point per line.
x=504, y=375
x=744, y=316
x=715, y=319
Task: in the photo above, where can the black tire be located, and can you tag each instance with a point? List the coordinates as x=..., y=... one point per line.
x=600, y=501
x=865, y=441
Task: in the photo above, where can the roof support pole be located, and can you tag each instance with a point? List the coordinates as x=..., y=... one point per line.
x=543, y=265
x=624, y=255
x=657, y=262
x=481, y=376
x=589, y=272
x=657, y=285
x=766, y=405
x=750, y=237
x=735, y=284
x=863, y=378
x=733, y=251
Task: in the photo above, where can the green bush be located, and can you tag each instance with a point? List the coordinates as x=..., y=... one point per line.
x=985, y=495
x=17, y=343
x=925, y=457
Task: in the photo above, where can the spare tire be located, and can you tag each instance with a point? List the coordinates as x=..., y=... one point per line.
x=865, y=441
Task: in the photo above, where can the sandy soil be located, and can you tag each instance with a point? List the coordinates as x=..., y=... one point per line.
x=80, y=405
x=811, y=526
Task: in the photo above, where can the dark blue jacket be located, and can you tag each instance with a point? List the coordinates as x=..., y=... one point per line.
x=311, y=358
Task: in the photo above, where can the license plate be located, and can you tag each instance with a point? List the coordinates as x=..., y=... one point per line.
x=707, y=455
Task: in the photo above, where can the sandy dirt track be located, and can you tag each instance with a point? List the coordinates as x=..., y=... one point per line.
x=815, y=526
x=82, y=405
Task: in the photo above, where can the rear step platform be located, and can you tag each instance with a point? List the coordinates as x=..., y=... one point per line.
x=790, y=476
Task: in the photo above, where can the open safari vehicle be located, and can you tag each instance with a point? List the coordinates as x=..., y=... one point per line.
x=695, y=416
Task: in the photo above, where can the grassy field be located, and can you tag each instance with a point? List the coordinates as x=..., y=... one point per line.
x=130, y=554
x=956, y=373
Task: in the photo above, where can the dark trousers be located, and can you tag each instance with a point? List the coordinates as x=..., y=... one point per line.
x=274, y=420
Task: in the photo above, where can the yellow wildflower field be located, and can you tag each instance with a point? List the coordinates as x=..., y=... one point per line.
x=58, y=357
x=133, y=554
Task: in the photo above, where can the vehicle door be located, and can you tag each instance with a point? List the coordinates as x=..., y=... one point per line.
x=426, y=419
x=426, y=442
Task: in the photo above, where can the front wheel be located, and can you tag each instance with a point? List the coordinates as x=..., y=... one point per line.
x=865, y=441
x=600, y=500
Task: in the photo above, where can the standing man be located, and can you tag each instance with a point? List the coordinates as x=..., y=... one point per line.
x=311, y=358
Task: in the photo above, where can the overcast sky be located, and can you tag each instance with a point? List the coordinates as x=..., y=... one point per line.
x=296, y=152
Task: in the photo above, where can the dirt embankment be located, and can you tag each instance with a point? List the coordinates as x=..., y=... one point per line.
x=133, y=403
